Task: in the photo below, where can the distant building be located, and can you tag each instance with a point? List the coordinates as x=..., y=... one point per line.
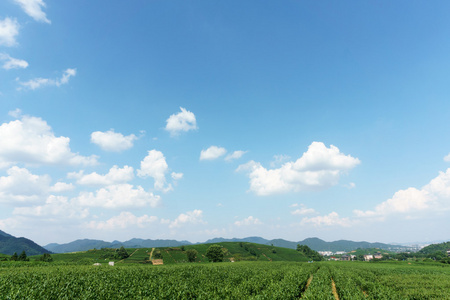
x=378, y=256
x=448, y=252
x=346, y=257
x=368, y=257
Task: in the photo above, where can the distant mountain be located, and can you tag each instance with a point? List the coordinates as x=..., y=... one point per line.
x=441, y=247
x=87, y=244
x=10, y=244
x=314, y=243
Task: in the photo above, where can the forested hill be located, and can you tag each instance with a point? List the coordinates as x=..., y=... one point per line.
x=10, y=244
x=442, y=247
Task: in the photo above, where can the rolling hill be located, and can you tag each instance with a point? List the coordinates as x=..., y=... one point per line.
x=10, y=244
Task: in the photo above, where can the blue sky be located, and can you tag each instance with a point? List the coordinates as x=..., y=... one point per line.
x=198, y=119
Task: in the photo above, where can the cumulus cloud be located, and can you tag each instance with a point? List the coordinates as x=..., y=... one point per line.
x=318, y=168
x=21, y=186
x=212, y=153
x=191, y=217
x=32, y=141
x=235, y=155
x=12, y=63
x=114, y=176
x=9, y=28
x=33, y=8
x=447, y=158
x=248, y=221
x=303, y=210
x=176, y=176
x=182, y=121
x=332, y=219
x=57, y=207
x=40, y=82
x=154, y=165
x=122, y=221
x=118, y=196
x=435, y=196
x=112, y=141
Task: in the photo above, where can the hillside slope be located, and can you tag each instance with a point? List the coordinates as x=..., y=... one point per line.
x=10, y=244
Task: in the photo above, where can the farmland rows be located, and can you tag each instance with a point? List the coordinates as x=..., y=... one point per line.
x=246, y=280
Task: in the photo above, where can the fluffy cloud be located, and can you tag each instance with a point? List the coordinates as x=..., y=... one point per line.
x=122, y=221
x=318, y=168
x=182, y=121
x=447, y=158
x=57, y=207
x=248, y=221
x=12, y=63
x=212, y=152
x=31, y=141
x=112, y=141
x=114, y=176
x=154, y=165
x=39, y=82
x=118, y=196
x=21, y=186
x=176, y=176
x=191, y=217
x=9, y=28
x=303, y=210
x=33, y=8
x=332, y=219
x=235, y=155
x=435, y=196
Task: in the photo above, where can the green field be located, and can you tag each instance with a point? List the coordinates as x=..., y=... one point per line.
x=240, y=280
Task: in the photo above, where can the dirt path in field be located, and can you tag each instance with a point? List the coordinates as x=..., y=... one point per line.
x=333, y=288
x=267, y=257
x=309, y=282
x=151, y=253
x=128, y=256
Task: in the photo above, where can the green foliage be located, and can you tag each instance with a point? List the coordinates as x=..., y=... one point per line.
x=308, y=252
x=433, y=248
x=214, y=253
x=191, y=255
x=46, y=257
x=14, y=257
x=157, y=254
x=122, y=253
x=23, y=256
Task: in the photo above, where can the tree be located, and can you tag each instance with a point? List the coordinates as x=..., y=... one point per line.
x=308, y=252
x=122, y=253
x=214, y=253
x=14, y=257
x=23, y=256
x=46, y=257
x=191, y=255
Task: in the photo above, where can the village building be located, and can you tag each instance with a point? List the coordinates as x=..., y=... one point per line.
x=368, y=257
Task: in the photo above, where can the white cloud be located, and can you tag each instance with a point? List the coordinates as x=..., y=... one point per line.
x=154, y=165
x=182, y=121
x=278, y=160
x=212, y=153
x=9, y=28
x=39, y=82
x=15, y=113
x=176, y=176
x=318, y=168
x=12, y=63
x=235, y=155
x=122, y=221
x=303, y=210
x=248, y=221
x=33, y=8
x=435, y=196
x=447, y=158
x=31, y=141
x=118, y=196
x=114, y=176
x=332, y=219
x=55, y=207
x=112, y=141
x=191, y=217
x=22, y=186
x=60, y=187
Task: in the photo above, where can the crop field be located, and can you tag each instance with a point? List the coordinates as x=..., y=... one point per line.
x=241, y=280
